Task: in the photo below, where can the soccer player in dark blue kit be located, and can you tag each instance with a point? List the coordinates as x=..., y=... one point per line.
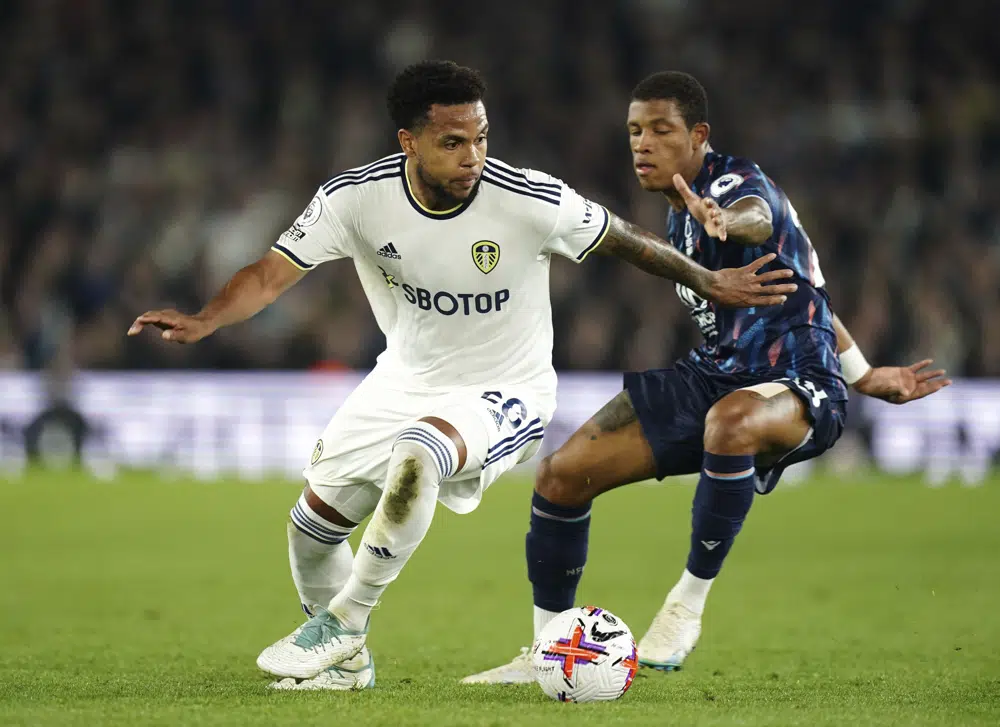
x=766, y=389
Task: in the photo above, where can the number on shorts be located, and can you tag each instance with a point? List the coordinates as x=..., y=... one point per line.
x=514, y=409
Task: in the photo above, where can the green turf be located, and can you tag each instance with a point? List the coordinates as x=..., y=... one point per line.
x=146, y=602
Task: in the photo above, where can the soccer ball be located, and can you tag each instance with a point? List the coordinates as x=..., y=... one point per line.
x=585, y=655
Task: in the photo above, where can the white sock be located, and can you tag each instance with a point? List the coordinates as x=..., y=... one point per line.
x=691, y=591
x=542, y=617
x=421, y=457
x=319, y=555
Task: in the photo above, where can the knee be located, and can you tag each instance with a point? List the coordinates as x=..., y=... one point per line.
x=409, y=472
x=409, y=476
x=730, y=428
x=559, y=484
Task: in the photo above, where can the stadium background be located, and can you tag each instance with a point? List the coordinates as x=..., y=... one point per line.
x=149, y=149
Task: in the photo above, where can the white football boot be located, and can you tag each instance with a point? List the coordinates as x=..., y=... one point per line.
x=518, y=671
x=321, y=642
x=670, y=638
x=351, y=675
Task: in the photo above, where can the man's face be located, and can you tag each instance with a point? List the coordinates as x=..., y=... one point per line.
x=450, y=149
x=661, y=143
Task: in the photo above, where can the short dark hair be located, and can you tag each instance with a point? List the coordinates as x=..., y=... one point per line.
x=682, y=88
x=421, y=85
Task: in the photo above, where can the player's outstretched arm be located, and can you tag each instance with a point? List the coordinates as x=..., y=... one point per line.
x=730, y=287
x=247, y=293
x=896, y=384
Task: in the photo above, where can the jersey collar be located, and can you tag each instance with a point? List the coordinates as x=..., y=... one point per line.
x=436, y=214
x=705, y=174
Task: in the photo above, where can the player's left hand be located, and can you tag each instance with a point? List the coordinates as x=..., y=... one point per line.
x=705, y=209
x=747, y=287
x=901, y=384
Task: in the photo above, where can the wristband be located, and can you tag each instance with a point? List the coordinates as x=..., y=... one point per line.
x=854, y=365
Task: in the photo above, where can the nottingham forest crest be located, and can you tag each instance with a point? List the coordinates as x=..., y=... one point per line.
x=485, y=255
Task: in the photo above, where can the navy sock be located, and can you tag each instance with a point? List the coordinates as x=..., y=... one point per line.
x=556, y=549
x=721, y=503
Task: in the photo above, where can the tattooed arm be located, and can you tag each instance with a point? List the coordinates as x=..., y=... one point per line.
x=731, y=287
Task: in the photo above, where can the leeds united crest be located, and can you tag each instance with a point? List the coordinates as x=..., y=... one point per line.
x=485, y=255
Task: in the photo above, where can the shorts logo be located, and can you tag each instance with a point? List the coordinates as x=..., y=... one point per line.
x=497, y=418
x=311, y=214
x=485, y=255
x=317, y=452
x=816, y=395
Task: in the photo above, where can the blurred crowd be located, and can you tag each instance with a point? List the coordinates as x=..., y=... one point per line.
x=148, y=150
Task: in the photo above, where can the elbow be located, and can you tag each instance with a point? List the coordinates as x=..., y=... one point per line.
x=766, y=229
x=271, y=279
x=758, y=232
x=270, y=295
x=272, y=288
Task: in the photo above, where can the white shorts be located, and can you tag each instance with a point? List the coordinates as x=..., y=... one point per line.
x=501, y=428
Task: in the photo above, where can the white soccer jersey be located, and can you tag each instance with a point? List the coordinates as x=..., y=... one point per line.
x=461, y=295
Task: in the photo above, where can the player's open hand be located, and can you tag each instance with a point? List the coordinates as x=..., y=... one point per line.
x=175, y=326
x=901, y=384
x=704, y=209
x=745, y=288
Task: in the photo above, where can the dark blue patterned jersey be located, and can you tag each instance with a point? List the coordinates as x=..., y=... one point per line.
x=793, y=340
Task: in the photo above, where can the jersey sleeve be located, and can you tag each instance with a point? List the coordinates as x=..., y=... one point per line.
x=580, y=226
x=739, y=182
x=322, y=232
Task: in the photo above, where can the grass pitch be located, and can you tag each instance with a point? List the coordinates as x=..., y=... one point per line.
x=145, y=601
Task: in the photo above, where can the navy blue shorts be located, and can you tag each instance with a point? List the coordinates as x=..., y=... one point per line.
x=672, y=404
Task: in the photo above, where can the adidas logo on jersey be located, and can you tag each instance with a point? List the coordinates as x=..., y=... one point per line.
x=389, y=251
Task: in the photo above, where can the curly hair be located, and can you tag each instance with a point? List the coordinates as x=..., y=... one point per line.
x=682, y=88
x=421, y=85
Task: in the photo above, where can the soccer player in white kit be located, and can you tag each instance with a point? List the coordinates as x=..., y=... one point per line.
x=452, y=249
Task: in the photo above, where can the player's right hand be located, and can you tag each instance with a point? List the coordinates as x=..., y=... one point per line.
x=744, y=288
x=705, y=209
x=175, y=326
